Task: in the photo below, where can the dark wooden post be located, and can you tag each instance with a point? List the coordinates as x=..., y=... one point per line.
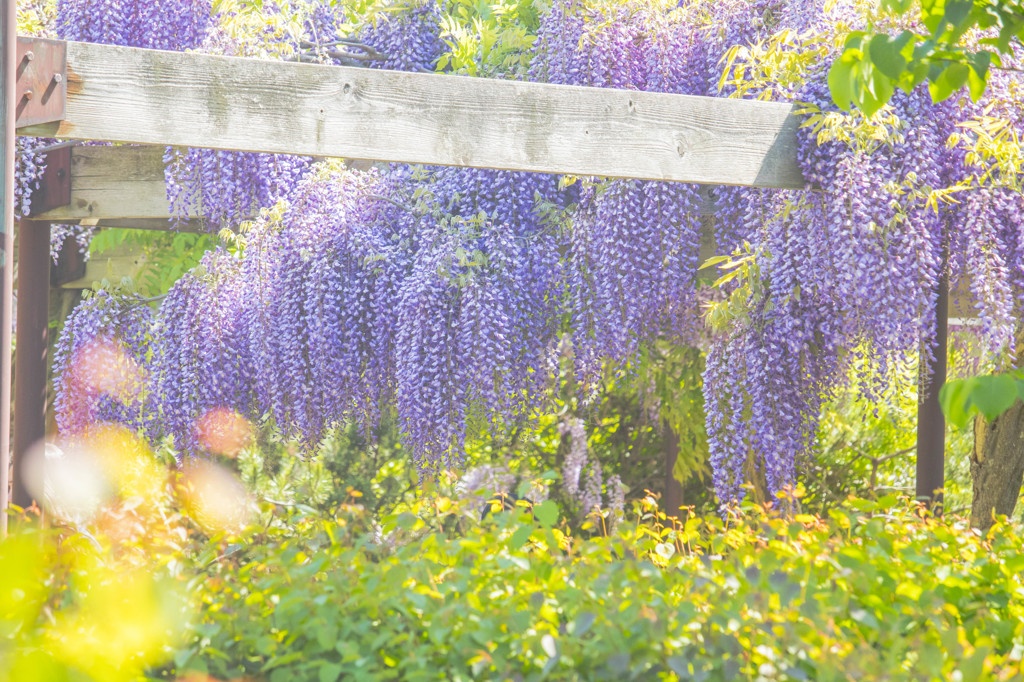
x=673, y=499
x=931, y=423
x=32, y=345
x=8, y=78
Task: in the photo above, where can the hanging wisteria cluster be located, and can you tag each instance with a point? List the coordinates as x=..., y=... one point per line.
x=452, y=294
x=103, y=356
x=409, y=40
x=227, y=187
x=848, y=277
x=164, y=25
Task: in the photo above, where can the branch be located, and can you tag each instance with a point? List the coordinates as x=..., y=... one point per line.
x=368, y=49
x=342, y=54
x=381, y=197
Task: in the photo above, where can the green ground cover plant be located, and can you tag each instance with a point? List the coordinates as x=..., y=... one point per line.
x=873, y=591
x=165, y=582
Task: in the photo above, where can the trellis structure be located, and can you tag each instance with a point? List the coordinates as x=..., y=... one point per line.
x=81, y=91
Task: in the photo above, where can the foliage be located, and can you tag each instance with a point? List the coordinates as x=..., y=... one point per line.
x=985, y=395
x=950, y=44
x=492, y=40
x=869, y=592
x=168, y=255
x=917, y=171
x=868, y=449
x=348, y=466
x=434, y=591
x=68, y=614
x=100, y=593
x=35, y=17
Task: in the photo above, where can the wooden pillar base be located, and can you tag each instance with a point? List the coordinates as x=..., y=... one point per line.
x=31, y=347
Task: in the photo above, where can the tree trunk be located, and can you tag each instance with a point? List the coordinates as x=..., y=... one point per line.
x=997, y=465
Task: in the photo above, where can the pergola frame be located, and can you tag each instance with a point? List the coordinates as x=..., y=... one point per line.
x=148, y=97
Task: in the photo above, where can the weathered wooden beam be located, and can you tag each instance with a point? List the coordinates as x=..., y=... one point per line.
x=123, y=186
x=119, y=187
x=196, y=225
x=114, y=183
x=125, y=94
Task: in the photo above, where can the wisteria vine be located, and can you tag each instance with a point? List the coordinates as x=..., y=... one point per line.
x=452, y=293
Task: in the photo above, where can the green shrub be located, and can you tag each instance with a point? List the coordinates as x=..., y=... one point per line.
x=871, y=592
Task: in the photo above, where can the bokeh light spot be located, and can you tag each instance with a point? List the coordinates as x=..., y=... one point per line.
x=223, y=431
x=215, y=498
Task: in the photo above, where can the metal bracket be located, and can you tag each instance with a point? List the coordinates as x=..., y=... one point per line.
x=42, y=81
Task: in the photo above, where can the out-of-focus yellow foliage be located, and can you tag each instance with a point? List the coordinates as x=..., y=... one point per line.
x=104, y=596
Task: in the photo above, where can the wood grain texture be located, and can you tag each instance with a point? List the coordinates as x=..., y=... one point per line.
x=120, y=187
x=114, y=183
x=123, y=186
x=150, y=97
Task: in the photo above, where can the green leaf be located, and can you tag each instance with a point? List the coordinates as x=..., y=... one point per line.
x=713, y=261
x=896, y=6
x=865, y=618
x=840, y=82
x=520, y=537
x=994, y=395
x=957, y=18
x=878, y=90
x=961, y=399
x=977, y=78
x=546, y=512
x=680, y=665
x=581, y=625
x=932, y=13
x=955, y=401
x=884, y=52
x=948, y=81
x=973, y=666
x=327, y=636
x=330, y=672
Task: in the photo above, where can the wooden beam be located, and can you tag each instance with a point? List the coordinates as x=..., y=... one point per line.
x=196, y=225
x=114, y=183
x=124, y=187
x=123, y=94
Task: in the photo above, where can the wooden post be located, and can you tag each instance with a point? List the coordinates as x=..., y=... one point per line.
x=32, y=346
x=8, y=78
x=673, y=499
x=931, y=423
